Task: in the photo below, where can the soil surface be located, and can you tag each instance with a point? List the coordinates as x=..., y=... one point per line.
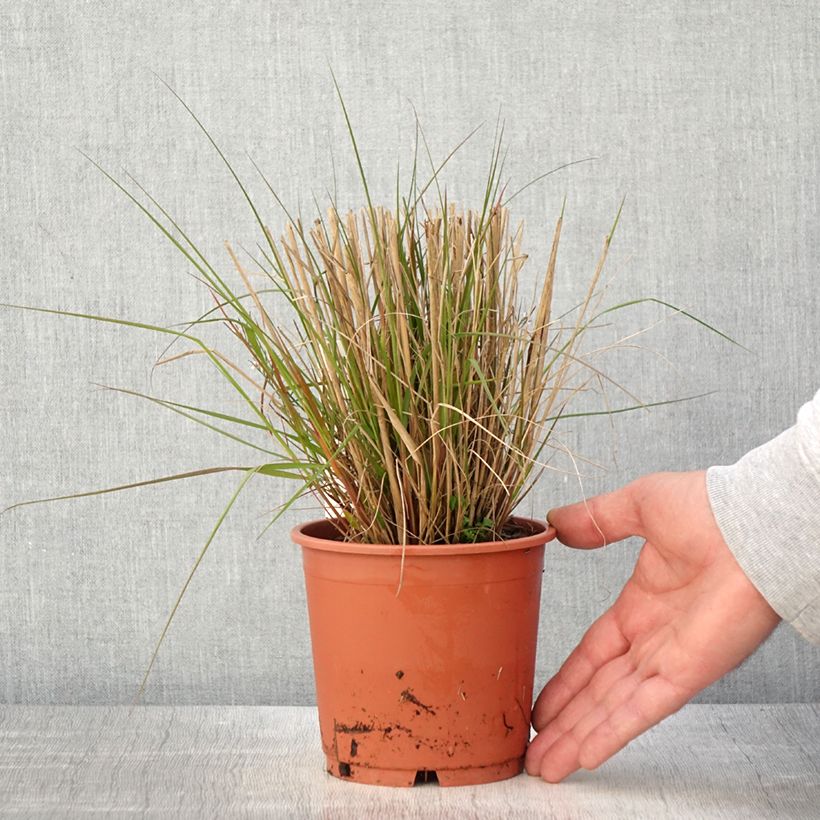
x=508, y=532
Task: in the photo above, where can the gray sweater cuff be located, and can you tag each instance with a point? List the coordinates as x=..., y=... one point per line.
x=767, y=506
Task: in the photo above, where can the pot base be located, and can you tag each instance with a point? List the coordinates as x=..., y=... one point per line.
x=465, y=776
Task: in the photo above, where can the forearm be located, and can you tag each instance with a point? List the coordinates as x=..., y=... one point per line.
x=767, y=506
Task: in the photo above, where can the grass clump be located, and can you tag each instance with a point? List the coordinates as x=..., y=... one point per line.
x=415, y=386
x=412, y=394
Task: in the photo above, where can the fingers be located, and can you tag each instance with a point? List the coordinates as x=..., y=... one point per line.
x=655, y=699
x=602, y=642
x=610, y=686
x=599, y=521
x=593, y=729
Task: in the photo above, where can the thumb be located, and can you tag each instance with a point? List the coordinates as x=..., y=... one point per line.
x=598, y=521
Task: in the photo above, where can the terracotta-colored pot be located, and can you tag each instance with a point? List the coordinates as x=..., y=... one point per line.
x=427, y=667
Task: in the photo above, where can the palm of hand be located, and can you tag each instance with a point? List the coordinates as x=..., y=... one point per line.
x=686, y=616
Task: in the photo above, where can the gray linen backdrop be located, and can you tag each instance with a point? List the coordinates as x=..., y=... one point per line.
x=705, y=116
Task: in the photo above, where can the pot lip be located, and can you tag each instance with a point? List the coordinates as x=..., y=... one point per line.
x=314, y=535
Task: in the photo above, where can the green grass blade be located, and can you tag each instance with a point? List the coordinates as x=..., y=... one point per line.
x=248, y=475
x=286, y=506
x=175, y=407
x=555, y=170
x=156, y=329
x=218, y=151
x=212, y=413
x=682, y=312
x=134, y=485
x=351, y=134
x=617, y=410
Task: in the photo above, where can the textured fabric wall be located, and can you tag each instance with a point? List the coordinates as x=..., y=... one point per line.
x=705, y=116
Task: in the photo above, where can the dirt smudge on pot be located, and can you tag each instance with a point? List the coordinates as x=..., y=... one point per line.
x=408, y=697
x=352, y=728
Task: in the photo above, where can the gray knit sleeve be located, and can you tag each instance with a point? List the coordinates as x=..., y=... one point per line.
x=767, y=506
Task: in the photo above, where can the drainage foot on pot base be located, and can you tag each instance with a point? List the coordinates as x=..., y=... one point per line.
x=469, y=776
x=481, y=774
x=369, y=775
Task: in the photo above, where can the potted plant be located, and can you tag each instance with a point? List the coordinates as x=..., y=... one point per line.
x=413, y=396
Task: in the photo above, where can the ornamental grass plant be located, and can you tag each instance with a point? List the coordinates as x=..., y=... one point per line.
x=412, y=394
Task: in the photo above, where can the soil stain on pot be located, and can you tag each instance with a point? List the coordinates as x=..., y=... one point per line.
x=352, y=728
x=408, y=697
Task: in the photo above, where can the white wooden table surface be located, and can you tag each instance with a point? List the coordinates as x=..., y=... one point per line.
x=248, y=761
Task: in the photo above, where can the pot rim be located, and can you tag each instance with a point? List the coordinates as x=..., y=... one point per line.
x=314, y=535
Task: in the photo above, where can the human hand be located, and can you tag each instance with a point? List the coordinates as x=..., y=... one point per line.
x=686, y=617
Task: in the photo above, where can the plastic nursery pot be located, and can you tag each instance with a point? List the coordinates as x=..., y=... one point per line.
x=424, y=666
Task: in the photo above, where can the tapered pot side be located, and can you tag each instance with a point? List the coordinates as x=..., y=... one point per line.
x=424, y=658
